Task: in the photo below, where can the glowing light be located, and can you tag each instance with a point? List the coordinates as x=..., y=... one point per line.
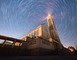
x=50, y=39
x=72, y=50
x=49, y=17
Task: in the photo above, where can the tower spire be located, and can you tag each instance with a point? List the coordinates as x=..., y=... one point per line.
x=52, y=29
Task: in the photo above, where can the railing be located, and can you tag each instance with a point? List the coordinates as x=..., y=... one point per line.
x=13, y=40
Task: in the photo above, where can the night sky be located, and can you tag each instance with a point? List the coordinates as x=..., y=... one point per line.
x=18, y=17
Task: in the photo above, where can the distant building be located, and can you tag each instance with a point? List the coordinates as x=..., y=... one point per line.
x=6, y=43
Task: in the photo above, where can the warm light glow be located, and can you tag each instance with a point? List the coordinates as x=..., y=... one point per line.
x=17, y=44
x=72, y=50
x=49, y=17
x=50, y=39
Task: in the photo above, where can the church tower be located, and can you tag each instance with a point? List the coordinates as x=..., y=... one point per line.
x=52, y=30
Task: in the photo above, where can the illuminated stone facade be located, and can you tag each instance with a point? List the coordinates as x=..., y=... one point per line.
x=48, y=34
x=40, y=31
x=52, y=30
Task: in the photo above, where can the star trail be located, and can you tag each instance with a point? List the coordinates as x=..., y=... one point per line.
x=18, y=17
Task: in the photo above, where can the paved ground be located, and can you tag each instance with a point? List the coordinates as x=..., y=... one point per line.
x=39, y=58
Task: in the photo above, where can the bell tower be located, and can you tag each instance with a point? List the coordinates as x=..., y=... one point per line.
x=52, y=30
